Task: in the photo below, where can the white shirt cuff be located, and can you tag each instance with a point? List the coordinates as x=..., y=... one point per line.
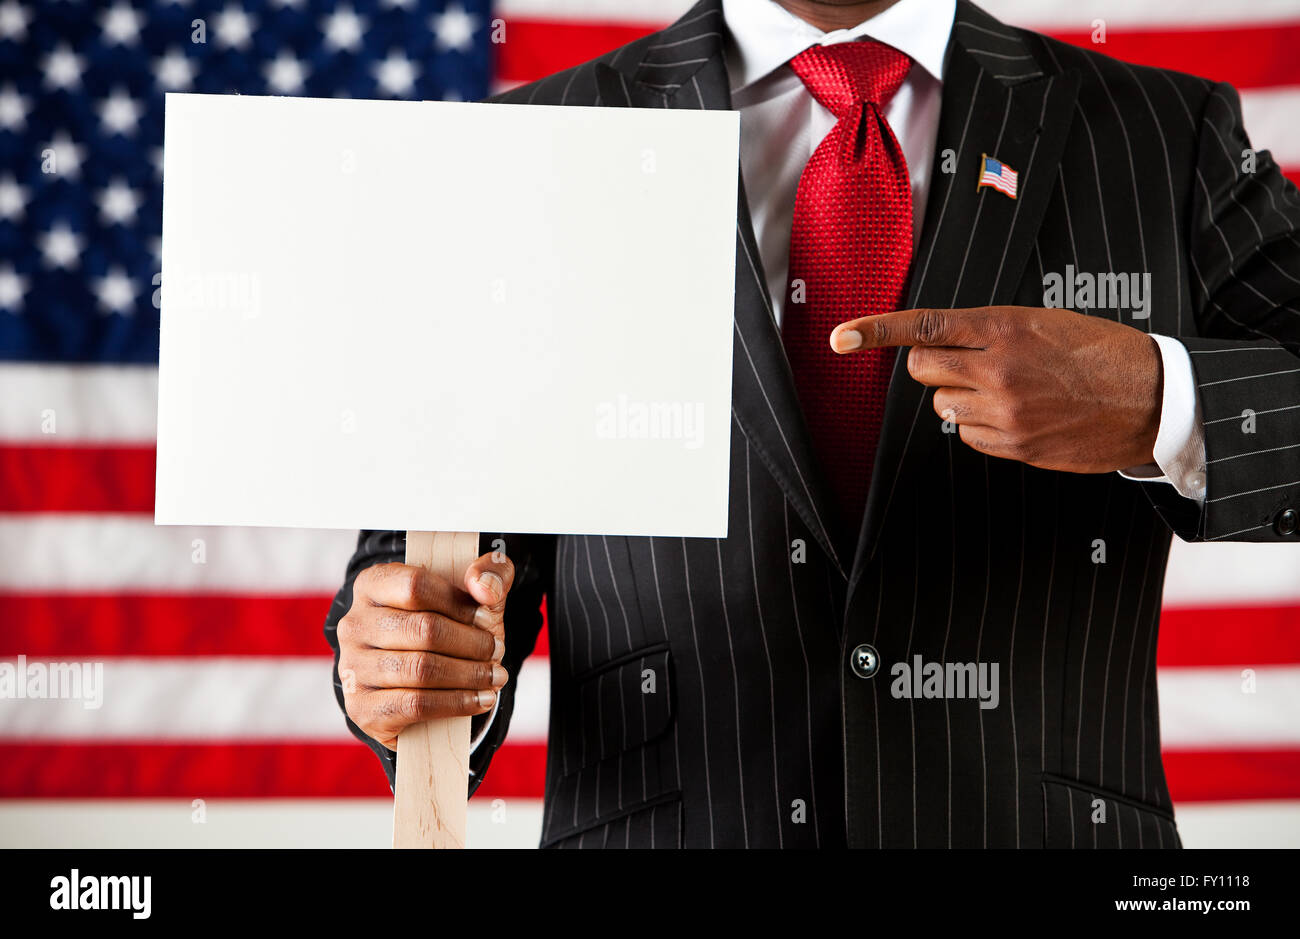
x=487, y=725
x=1179, y=449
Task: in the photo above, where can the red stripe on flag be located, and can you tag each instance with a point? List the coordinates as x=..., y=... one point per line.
x=536, y=48
x=1229, y=636
x=285, y=769
x=1227, y=775
x=1247, y=56
x=294, y=770
x=74, y=626
x=76, y=479
x=1256, y=56
x=67, y=626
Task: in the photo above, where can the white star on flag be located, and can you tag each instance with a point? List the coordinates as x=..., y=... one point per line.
x=61, y=247
x=121, y=24
x=12, y=288
x=67, y=155
x=285, y=74
x=173, y=71
x=396, y=74
x=234, y=27
x=13, y=20
x=13, y=199
x=63, y=68
x=119, y=113
x=115, y=292
x=13, y=109
x=454, y=28
x=118, y=203
x=343, y=29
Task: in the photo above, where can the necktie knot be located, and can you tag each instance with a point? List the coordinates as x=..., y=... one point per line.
x=842, y=75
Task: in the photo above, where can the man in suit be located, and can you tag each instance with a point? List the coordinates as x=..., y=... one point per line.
x=1008, y=314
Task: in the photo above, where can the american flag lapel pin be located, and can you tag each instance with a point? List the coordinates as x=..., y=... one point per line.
x=997, y=174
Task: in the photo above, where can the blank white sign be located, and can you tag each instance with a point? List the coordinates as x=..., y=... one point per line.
x=444, y=316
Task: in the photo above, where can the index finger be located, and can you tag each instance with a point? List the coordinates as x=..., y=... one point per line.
x=415, y=588
x=961, y=328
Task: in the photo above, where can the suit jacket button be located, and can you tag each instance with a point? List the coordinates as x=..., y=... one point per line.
x=864, y=660
x=1287, y=522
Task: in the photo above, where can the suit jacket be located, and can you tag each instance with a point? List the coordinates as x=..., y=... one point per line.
x=759, y=731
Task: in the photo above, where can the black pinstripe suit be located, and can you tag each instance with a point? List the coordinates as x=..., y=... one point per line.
x=759, y=733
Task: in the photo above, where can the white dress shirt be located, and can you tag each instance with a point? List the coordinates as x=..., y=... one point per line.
x=781, y=125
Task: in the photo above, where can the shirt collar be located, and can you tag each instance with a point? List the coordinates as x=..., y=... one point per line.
x=765, y=36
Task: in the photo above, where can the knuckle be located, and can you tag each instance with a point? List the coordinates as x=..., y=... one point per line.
x=433, y=669
x=346, y=629
x=410, y=706
x=398, y=709
x=428, y=630
x=879, y=330
x=929, y=325
x=408, y=585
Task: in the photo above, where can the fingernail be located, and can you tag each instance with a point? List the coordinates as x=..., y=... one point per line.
x=846, y=340
x=499, y=676
x=491, y=582
x=499, y=651
x=487, y=698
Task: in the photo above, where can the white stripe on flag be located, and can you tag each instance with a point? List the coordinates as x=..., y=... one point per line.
x=1062, y=17
x=236, y=698
x=291, y=698
x=1226, y=574
x=1209, y=708
x=1270, y=118
x=75, y=552
x=650, y=12
x=85, y=403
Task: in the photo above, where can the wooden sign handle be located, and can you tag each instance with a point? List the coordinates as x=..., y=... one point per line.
x=432, y=785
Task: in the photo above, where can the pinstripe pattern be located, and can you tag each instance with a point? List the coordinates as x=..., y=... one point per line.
x=757, y=732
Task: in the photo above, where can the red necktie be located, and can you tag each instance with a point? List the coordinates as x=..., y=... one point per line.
x=850, y=250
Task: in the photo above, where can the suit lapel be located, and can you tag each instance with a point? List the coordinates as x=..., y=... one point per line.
x=684, y=67
x=975, y=243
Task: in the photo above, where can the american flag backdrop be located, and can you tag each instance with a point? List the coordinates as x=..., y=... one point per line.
x=218, y=723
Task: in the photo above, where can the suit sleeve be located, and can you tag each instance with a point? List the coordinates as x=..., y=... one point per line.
x=1245, y=280
x=533, y=557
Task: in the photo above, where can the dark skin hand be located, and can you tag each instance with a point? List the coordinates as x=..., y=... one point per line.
x=1048, y=387
x=415, y=646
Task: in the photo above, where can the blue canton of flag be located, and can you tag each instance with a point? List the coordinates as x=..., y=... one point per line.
x=81, y=133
